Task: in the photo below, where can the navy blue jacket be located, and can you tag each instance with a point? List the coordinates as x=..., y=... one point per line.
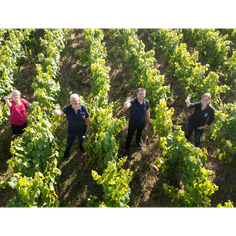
x=138, y=111
x=199, y=117
x=76, y=121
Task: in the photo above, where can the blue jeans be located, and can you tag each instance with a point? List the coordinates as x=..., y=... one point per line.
x=71, y=139
x=198, y=134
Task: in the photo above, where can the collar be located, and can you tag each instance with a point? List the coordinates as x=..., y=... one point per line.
x=139, y=102
x=77, y=109
x=16, y=104
x=207, y=108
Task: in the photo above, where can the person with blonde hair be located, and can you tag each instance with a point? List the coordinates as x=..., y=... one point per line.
x=76, y=115
x=202, y=117
x=17, y=107
x=139, y=111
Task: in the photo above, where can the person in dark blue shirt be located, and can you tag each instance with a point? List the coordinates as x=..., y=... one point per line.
x=139, y=111
x=202, y=117
x=76, y=115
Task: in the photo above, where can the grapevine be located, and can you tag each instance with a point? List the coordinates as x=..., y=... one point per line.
x=35, y=153
x=11, y=53
x=102, y=144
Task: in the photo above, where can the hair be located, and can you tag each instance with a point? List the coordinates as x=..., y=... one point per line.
x=14, y=91
x=141, y=89
x=74, y=95
x=208, y=95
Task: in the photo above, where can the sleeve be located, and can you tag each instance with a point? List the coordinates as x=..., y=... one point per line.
x=195, y=104
x=25, y=102
x=148, y=105
x=86, y=112
x=131, y=101
x=211, y=117
x=65, y=109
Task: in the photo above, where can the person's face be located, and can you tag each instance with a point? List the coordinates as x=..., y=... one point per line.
x=16, y=96
x=141, y=95
x=205, y=100
x=75, y=101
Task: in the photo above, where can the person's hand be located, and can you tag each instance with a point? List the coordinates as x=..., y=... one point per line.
x=147, y=126
x=188, y=103
x=201, y=127
x=56, y=112
x=6, y=98
x=44, y=108
x=127, y=104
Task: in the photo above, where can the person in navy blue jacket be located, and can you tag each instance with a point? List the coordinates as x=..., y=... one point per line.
x=202, y=117
x=139, y=111
x=76, y=115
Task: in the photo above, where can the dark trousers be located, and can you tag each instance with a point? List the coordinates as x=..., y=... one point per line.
x=198, y=134
x=71, y=139
x=131, y=131
x=19, y=129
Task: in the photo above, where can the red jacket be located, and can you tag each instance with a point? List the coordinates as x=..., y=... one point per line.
x=18, y=113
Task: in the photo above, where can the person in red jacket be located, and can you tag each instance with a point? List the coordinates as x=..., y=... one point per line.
x=17, y=107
